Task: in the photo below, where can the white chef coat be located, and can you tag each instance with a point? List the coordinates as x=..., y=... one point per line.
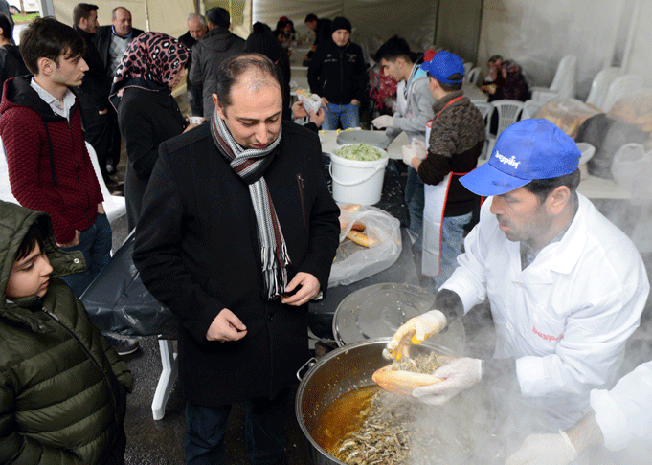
x=566, y=317
x=624, y=414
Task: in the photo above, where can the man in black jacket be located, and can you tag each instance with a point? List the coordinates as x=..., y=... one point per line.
x=207, y=54
x=111, y=42
x=94, y=90
x=197, y=28
x=237, y=260
x=338, y=74
x=11, y=62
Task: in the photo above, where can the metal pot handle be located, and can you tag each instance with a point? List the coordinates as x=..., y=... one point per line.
x=309, y=364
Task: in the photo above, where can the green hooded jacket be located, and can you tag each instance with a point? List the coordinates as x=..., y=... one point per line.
x=62, y=386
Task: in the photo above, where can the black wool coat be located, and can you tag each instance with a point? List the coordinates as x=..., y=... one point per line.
x=197, y=250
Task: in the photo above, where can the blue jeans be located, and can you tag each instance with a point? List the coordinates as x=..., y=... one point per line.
x=95, y=244
x=349, y=114
x=452, y=236
x=264, y=431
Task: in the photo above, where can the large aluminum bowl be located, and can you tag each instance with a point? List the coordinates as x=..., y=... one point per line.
x=340, y=371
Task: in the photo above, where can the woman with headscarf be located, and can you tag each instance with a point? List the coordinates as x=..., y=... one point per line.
x=510, y=83
x=152, y=65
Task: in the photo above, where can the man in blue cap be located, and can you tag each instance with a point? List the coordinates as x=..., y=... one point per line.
x=566, y=288
x=454, y=145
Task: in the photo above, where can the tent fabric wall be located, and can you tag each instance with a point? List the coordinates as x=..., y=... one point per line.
x=373, y=21
x=169, y=16
x=538, y=34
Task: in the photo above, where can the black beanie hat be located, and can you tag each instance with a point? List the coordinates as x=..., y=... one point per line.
x=340, y=22
x=264, y=43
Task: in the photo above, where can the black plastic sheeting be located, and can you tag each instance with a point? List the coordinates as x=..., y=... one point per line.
x=117, y=301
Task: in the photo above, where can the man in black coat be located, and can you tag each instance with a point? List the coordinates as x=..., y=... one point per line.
x=94, y=90
x=111, y=42
x=197, y=28
x=237, y=233
x=11, y=61
x=207, y=54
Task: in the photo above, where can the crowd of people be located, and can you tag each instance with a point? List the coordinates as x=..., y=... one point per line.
x=566, y=288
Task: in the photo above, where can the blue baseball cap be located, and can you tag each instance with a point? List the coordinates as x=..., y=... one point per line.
x=444, y=65
x=527, y=150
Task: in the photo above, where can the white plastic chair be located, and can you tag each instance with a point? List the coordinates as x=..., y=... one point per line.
x=563, y=84
x=486, y=110
x=621, y=87
x=601, y=84
x=473, y=76
x=530, y=108
x=467, y=67
x=508, y=113
x=5, y=186
x=114, y=205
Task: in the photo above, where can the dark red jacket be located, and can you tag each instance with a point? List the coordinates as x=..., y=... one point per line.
x=49, y=167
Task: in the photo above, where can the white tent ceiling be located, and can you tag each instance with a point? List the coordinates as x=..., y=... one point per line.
x=600, y=32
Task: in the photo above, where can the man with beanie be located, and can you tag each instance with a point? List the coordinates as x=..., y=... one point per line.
x=566, y=288
x=454, y=147
x=338, y=74
x=412, y=112
x=207, y=54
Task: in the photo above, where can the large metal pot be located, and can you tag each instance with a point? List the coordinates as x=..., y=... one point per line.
x=340, y=371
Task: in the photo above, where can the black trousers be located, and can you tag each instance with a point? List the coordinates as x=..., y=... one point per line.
x=96, y=132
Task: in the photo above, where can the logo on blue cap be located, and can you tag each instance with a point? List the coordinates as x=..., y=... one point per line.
x=527, y=150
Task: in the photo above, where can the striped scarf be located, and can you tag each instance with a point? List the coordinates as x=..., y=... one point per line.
x=250, y=164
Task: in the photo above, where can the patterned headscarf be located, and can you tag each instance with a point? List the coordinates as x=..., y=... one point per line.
x=154, y=56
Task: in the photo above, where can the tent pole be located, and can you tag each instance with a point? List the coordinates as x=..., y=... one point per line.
x=630, y=37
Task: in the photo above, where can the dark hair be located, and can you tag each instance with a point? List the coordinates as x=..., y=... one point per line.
x=452, y=87
x=310, y=17
x=5, y=24
x=282, y=23
x=35, y=235
x=495, y=58
x=543, y=187
x=219, y=17
x=263, y=43
x=82, y=10
x=259, y=27
x=230, y=70
x=47, y=37
x=392, y=49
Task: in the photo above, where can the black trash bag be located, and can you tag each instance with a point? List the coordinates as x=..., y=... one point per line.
x=117, y=300
x=607, y=135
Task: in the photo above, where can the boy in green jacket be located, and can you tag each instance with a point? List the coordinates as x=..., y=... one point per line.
x=62, y=386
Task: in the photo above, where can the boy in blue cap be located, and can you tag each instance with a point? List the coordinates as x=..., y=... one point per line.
x=453, y=149
x=565, y=286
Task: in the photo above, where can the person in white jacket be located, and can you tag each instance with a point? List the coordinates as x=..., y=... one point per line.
x=566, y=288
x=621, y=417
x=412, y=111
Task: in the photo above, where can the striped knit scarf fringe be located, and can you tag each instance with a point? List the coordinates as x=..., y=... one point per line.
x=250, y=164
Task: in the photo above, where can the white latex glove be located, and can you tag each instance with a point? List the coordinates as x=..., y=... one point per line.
x=383, y=121
x=460, y=374
x=415, y=331
x=544, y=449
x=416, y=149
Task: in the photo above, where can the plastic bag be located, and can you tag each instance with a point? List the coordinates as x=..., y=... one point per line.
x=567, y=115
x=117, y=300
x=632, y=170
x=354, y=262
x=309, y=101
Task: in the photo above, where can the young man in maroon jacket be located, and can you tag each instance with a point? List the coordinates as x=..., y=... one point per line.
x=49, y=167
